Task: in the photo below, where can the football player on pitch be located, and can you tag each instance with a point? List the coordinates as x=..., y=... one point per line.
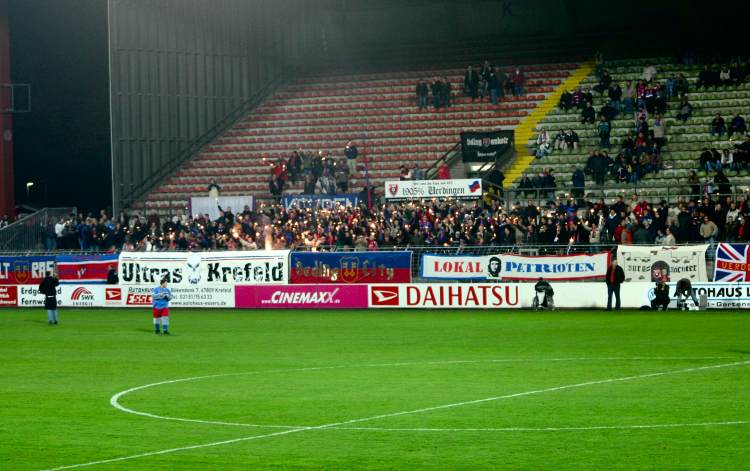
x=161, y=295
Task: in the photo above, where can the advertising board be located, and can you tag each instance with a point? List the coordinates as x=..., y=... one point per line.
x=455, y=295
x=668, y=263
x=8, y=296
x=515, y=267
x=91, y=269
x=25, y=270
x=184, y=269
x=732, y=262
x=302, y=297
x=468, y=188
x=320, y=201
x=350, y=267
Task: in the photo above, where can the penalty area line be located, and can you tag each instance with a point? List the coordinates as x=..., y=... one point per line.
x=409, y=412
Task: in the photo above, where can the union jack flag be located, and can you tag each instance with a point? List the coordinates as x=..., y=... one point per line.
x=732, y=262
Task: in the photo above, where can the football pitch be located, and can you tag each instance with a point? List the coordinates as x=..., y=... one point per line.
x=479, y=389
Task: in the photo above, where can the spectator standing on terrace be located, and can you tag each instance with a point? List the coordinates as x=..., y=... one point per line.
x=445, y=92
x=614, y=277
x=685, y=109
x=604, y=83
x=417, y=173
x=588, y=115
x=471, y=83
x=615, y=96
x=518, y=79
x=342, y=177
x=437, y=91
x=737, y=126
x=579, y=183
x=351, y=153
x=214, y=190
x=648, y=74
x=484, y=75
x=659, y=131
x=566, y=101
x=604, y=129
x=493, y=86
x=423, y=92
x=444, y=172
x=708, y=230
x=628, y=97
x=718, y=126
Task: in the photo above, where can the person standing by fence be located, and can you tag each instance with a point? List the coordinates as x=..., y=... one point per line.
x=615, y=277
x=48, y=287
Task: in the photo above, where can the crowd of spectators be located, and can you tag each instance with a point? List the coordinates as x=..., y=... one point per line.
x=486, y=81
x=319, y=172
x=563, y=220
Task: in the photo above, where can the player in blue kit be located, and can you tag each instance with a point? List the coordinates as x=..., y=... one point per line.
x=161, y=295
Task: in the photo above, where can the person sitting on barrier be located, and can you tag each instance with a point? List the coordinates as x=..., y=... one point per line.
x=683, y=291
x=543, y=289
x=661, y=296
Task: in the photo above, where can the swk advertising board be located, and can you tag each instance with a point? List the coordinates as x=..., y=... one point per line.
x=183, y=269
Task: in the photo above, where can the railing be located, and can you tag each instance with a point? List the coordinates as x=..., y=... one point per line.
x=670, y=193
x=418, y=251
x=195, y=147
x=30, y=233
x=519, y=249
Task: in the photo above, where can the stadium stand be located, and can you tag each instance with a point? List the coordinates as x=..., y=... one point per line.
x=684, y=140
x=378, y=111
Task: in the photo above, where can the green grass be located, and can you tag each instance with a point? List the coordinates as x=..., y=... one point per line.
x=56, y=383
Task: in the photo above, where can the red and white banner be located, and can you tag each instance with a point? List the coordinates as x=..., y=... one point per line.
x=8, y=296
x=302, y=296
x=455, y=295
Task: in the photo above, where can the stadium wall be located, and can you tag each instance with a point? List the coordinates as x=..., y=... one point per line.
x=178, y=68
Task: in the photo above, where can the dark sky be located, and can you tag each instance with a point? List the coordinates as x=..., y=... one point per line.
x=60, y=48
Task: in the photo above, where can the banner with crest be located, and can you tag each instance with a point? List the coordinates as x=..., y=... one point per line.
x=667, y=263
x=25, y=270
x=350, y=267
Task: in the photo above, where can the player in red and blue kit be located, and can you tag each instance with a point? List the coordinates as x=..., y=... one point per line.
x=161, y=295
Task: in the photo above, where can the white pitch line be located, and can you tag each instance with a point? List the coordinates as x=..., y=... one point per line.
x=115, y=400
x=547, y=429
x=413, y=411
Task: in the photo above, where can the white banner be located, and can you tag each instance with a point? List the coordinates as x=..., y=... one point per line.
x=200, y=205
x=469, y=188
x=647, y=263
x=184, y=269
x=515, y=267
x=454, y=267
x=127, y=296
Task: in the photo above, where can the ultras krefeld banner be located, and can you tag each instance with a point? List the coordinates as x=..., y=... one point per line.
x=515, y=267
x=204, y=268
x=424, y=189
x=648, y=263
